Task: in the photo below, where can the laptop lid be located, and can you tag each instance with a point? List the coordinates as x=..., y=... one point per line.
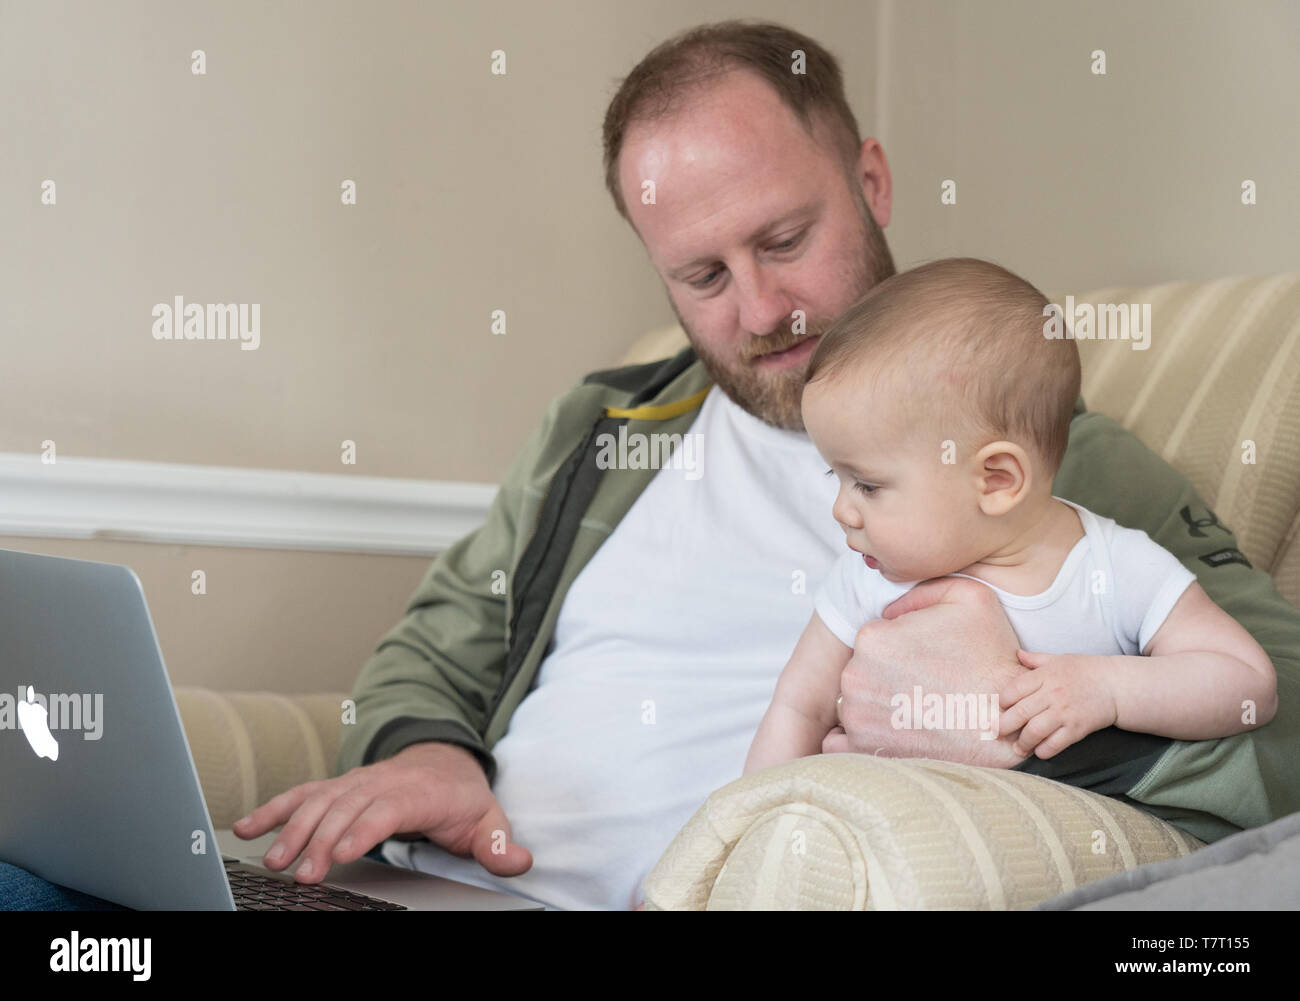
x=101, y=790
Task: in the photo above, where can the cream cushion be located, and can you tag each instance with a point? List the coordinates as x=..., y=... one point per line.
x=857, y=832
x=1222, y=374
x=251, y=746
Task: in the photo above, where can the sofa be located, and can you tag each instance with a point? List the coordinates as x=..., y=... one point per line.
x=858, y=832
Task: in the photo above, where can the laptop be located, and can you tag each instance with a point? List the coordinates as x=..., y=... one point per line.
x=101, y=793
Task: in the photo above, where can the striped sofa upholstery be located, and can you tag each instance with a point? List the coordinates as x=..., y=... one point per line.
x=250, y=746
x=1223, y=370
x=857, y=832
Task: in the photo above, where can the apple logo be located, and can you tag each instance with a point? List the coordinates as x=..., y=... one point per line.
x=32, y=718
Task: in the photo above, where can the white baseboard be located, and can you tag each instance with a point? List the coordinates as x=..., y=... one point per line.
x=76, y=498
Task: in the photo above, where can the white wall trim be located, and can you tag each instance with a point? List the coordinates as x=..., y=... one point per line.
x=77, y=498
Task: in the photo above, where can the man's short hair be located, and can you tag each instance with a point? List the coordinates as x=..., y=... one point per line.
x=692, y=59
x=967, y=338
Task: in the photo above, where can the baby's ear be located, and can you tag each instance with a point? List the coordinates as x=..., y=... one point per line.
x=1004, y=476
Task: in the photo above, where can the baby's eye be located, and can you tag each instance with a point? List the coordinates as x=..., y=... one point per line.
x=866, y=488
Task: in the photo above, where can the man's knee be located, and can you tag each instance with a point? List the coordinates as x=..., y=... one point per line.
x=21, y=890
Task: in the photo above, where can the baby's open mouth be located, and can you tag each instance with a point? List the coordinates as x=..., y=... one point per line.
x=867, y=559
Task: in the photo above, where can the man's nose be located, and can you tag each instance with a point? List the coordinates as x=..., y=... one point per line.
x=765, y=307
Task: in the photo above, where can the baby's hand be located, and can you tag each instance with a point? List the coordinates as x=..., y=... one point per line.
x=1062, y=700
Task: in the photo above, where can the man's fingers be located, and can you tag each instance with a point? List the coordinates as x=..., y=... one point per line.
x=317, y=856
x=297, y=830
x=940, y=590
x=273, y=812
x=837, y=742
x=378, y=821
x=925, y=594
x=493, y=848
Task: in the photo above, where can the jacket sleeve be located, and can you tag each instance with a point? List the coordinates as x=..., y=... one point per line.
x=1210, y=788
x=434, y=674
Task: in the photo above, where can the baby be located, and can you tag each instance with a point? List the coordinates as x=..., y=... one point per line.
x=944, y=411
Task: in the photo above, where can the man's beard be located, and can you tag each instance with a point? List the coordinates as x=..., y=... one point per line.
x=774, y=397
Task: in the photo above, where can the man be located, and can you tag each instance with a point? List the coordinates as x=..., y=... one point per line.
x=585, y=708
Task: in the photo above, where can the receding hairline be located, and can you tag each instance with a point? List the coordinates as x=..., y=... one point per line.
x=699, y=55
x=823, y=131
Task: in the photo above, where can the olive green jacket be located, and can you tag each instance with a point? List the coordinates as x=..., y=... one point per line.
x=476, y=631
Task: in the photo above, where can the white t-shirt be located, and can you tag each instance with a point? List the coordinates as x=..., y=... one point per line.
x=667, y=652
x=1114, y=590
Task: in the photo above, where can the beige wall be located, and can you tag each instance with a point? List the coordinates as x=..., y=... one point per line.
x=271, y=620
x=475, y=192
x=1081, y=181
x=478, y=192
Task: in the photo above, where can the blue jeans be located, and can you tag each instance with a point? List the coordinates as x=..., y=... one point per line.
x=22, y=891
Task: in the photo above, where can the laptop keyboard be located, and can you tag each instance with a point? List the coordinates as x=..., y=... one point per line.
x=259, y=891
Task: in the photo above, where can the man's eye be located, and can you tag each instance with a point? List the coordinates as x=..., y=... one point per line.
x=707, y=280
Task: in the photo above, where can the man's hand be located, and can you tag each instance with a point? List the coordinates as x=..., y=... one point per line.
x=1060, y=701
x=434, y=789
x=948, y=635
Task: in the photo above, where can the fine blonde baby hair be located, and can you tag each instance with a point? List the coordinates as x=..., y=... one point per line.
x=969, y=338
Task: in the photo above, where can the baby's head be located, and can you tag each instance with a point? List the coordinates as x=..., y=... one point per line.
x=945, y=412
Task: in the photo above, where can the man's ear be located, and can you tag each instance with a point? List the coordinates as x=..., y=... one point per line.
x=877, y=184
x=1003, y=476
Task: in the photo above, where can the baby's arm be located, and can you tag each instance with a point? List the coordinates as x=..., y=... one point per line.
x=1199, y=669
x=802, y=712
x=1201, y=666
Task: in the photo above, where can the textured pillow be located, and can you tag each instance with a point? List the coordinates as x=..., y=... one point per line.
x=857, y=832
